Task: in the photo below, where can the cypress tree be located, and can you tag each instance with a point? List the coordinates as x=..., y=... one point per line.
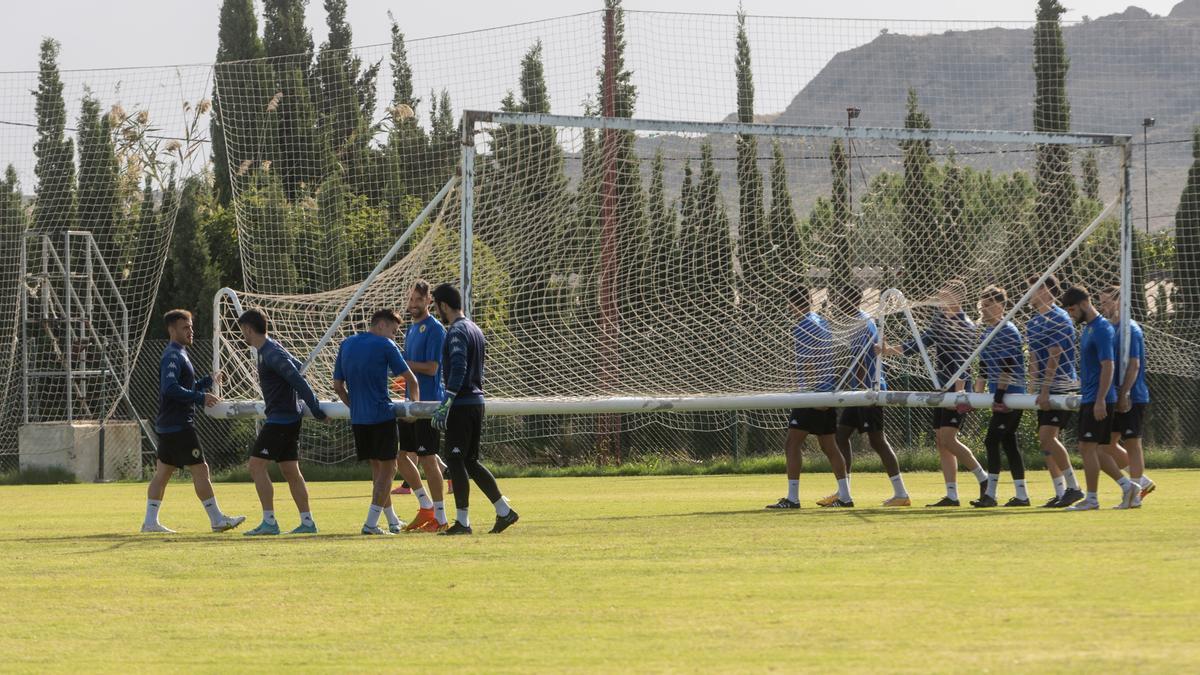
x=1054, y=208
x=340, y=104
x=753, y=236
x=1187, y=244
x=408, y=153
x=786, y=245
x=841, y=272
x=297, y=152
x=190, y=279
x=919, y=217
x=54, y=208
x=99, y=177
x=247, y=84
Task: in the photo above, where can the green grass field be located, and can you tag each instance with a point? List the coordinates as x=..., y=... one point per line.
x=605, y=574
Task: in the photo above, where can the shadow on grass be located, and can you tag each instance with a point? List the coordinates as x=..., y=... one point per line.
x=121, y=540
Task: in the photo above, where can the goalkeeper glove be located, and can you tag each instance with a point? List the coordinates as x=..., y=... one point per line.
x=442, y=413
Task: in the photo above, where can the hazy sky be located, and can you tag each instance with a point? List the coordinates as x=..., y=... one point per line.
x=117, y=33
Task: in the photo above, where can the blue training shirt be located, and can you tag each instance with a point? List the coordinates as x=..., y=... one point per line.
x=1097, y=345
x=462, y=362
x=283, y=386
x=178, y=390
x=1139, y=393
x=364, y=362
x=862, y=346
x=1053, y=328
x=423, y=342
x=813, y=345
x=954, y=338
x=1004, y=353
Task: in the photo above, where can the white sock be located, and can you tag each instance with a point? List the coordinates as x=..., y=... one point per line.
x=214, y=512
x=1069, y=476
x=439, y=512
x=462, y=518
x=1019, y=483
x=423, y=498
x=898, y=489
x=993, y=480
x=392, y=518
x=373, y=516
x=1091, y=497
x=952, y=490
x=844, y=489
x=980, y=474
x=306, y=518
x=1060, y=486
x=794, y=490
x=269, y=517
x=502, y=508
x=152, y=506
x=1124, y=482
x=1144, y=481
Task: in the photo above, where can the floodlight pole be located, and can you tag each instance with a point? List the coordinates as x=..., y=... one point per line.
x=852, y=113
x=1146, y=124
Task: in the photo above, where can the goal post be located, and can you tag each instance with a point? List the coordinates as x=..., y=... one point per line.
x=703, y=318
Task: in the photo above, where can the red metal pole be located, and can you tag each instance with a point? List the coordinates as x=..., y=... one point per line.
x=610, y=425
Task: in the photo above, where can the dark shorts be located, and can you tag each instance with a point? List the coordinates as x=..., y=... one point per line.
x=277, y=443
x=1129, y=424
x=947, y=417
x=1004, y=424
x=1055, y=418
x=375, y=441
x=419, y=437
x=865, y=419
x=1092, y=430
x=813, y=421
x=464, y=428
x=180, y=448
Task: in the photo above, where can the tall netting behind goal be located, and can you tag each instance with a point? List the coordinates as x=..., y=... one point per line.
x=604, y=266
x=332, y=155
x=92, y=166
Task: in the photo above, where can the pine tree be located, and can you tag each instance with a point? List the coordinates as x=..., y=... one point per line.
x=54, y=209
x=919, y=216
x=408, y=152
x=753, y=233
x=99, y=181
x=339, y=88
x=1054, y=211
x=248, y=84
x=1187, y=244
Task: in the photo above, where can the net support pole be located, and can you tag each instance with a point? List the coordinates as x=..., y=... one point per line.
x=379, y=268
x=1126, y=256
x=216, y=357
x=1019, y=304
x=466, y=262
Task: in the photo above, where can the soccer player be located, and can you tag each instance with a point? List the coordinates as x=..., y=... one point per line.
x=813, y=346
x=1003, y=361
x=1132, y=393
x=278, y=441
x=1050, y=334
x=866, y=419
x=360, y=379
x=460, y=414
x=418, y=439
x=178, y=393
x=1097, y=349
x=953, y=336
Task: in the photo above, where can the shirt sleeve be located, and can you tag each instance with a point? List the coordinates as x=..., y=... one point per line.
x=168, y=382
x=396, y=363
x=1062, y=335
x=457, y=366
x=337, y=364
x=286, y=368
x=1105, y=344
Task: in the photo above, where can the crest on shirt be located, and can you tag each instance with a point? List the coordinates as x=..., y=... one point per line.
x=422, y=328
